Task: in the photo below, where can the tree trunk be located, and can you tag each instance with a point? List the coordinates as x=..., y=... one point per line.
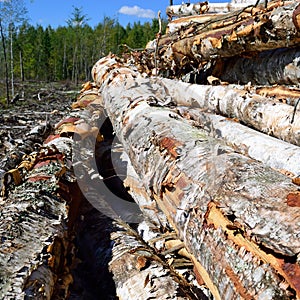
x=6, y=63
x=236, y=216
x=75, y=65
x=12, y=64
x=264, y=114
x=64, y=64
x=248, y=30
x=21, y=67
x=260, y=70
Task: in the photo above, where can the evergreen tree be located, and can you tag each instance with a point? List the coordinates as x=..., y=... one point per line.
x=76, y=23
x=69, y=52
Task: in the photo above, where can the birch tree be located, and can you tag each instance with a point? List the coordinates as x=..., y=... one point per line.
x=12, y=13
x=5, y=61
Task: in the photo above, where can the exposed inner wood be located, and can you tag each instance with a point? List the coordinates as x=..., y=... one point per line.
x=212, y=203
x=172, y=145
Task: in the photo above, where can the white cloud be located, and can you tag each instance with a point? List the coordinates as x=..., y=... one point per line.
x=137, y=11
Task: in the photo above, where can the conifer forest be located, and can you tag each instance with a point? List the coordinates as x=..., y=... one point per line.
x=66, y=53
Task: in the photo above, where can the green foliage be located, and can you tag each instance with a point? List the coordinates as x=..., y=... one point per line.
x=69, y=52
x=12, y=12
x=78, y=19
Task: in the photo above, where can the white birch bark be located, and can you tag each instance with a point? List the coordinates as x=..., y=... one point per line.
x=229, y=210
x=262, y=113
x=272, y=152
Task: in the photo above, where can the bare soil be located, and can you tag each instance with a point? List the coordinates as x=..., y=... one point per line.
x=38, y=103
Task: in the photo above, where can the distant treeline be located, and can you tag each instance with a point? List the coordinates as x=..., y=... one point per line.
x=69, y=52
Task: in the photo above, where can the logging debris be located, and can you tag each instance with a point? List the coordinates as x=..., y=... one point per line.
x=195, y=46
x=212, y=204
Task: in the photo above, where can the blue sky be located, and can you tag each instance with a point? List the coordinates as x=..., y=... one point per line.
x=56, y=12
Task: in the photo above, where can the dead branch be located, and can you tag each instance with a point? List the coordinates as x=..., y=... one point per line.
x=249, y=30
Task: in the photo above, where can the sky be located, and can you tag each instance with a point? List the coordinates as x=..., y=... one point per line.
x=56, y=12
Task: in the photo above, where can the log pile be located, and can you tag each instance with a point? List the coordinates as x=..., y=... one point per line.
x=207, y=175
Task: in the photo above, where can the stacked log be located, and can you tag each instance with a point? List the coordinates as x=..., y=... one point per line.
x=35, y=216
x=229, y=210
x=210, y=173
x=244, y=32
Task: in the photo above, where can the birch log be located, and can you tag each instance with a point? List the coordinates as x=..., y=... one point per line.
x=238, y=218
x=34, y=216
x=206, y=9
x=187, y=9
x=272, y=152
x=248, y=30
x=182, y=22
x=243, y=32
x=139, y=273
x=264, y=114
x=33, y=140
x=260, y=70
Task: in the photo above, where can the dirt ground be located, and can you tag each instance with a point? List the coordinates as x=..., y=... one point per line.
x=38, y=103
x=47, y=104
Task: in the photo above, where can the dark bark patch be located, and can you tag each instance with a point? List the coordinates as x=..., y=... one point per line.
x=171, y=146
x=293, y=199
x=296, y=17
x=293, y=271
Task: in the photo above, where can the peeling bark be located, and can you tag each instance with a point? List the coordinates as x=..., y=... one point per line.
x=272, y=152
x=260, y=70
x=284, y=94
x=246, y=31
x=148, y=205
x=236, y=216
x=187, y=9
x=34, y=140
x=139, y=273
x=182, y=22
x=34, y=218
x=264, y=114
x=133, y=258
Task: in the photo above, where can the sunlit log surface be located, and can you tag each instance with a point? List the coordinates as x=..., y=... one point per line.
x=272, y=152
x=262, y=113
x=237, y=217
x=249, y=30
x=187, y=9
x=207, y=8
